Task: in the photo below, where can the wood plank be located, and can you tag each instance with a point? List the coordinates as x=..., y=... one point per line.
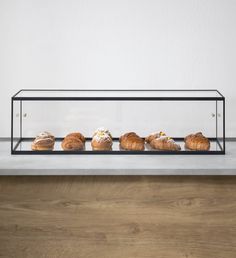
x=118, y=217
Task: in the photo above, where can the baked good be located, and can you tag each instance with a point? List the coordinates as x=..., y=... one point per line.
x=43, y=141
x=102, y=139
x=102, y=130
x=131, y=141
x=165, y=143
x=160, y=141
x=154, y=136
x=73, y=141
x=197, y=141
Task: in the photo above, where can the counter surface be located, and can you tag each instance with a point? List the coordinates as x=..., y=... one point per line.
x=117, y=165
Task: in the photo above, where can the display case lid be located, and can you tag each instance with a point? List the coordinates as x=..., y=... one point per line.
x=74, y=94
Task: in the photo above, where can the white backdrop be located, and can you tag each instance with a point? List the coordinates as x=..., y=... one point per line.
x=153, y=44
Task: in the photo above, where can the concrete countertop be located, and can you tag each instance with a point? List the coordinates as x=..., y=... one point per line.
x=117, y=165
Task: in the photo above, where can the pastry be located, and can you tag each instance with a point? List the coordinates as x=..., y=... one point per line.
x=102, y=130
x=73, y=141
x=165, y=143
x=197, y=142
x=43, y=141
x=154, y=136
x=102, y=139
x=160, y=141
x=131, y=141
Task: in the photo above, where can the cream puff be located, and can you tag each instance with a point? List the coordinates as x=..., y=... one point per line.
x=102, y=139
x=43, y=141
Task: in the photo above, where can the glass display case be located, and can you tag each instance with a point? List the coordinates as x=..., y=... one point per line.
x=177, y=113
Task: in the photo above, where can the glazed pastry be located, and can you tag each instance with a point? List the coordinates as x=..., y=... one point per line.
x=131, y=141
x=102, y=139
x=197, y=142
x=43, y=141
x=73, y=141
x=162, y=142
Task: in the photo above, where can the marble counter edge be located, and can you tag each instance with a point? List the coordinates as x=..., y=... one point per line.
x=117, y=172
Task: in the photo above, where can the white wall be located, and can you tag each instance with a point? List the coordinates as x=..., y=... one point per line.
x=117, y=44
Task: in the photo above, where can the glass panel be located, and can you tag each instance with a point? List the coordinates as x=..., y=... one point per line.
x=16, y=124
x=119, y=93
x=177, y=119
x=220, y=122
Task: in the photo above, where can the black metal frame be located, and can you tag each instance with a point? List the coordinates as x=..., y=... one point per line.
x=220, y=97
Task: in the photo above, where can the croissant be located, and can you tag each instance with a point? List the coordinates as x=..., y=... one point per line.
x=73, y=141
x=43, y=141
x=154, y=136
x=78, y=135
x=131, y=141
x=165, y=143
x=197, y=142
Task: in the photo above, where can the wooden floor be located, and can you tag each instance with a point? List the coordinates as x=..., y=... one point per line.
x=118, y=217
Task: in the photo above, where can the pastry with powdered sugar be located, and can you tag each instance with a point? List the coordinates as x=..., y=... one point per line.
x=43, y=141
x=160, y=141
x=102, y=139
